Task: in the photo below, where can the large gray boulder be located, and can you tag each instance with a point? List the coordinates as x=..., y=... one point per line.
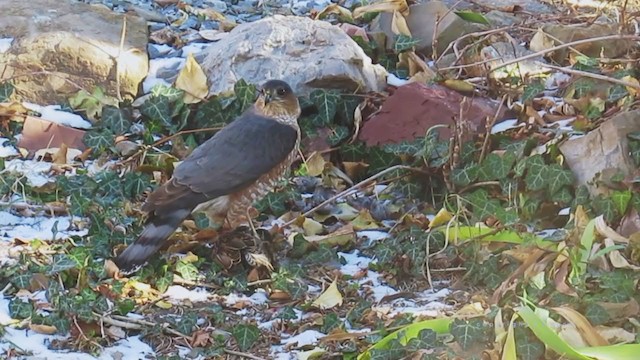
x=304, y=52
x=60, y=46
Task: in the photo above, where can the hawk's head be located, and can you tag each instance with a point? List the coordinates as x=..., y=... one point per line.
x=276, y=99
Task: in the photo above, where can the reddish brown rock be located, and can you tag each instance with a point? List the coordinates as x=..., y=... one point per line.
x=414, y=108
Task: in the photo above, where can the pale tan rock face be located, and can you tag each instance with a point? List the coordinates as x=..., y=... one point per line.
x=306, y=53
x=60, y=47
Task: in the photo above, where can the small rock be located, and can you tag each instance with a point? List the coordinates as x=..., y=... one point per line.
x=217, y=5
x=569, y=33
x=304, y=52
x=127, y=148
x=77, y=45
x=602, y=150
x=421, y=21
x=501, y=18
x=156, y=51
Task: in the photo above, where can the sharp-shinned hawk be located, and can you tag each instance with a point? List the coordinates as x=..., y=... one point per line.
x=224, y=175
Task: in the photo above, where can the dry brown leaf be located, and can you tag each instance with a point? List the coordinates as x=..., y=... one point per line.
x=60, y=156
x=560, y=278
x=587, y=331
x=617, y=260
x=200, y=338
x=399, y=24
x=510, y=282
x=193, y=81
x=606, y=231
x=621, y=311
x=115, y=332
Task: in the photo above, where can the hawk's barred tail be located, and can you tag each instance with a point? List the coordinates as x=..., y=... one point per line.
x=156, y=230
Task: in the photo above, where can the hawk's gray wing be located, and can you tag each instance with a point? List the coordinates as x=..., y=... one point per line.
x=231, y=160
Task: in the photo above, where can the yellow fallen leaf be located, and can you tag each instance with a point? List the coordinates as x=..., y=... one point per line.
x=193, y=81
x=340, y=237
x=312, y=227
x=632, y=91
x=384, y=6
x=364, y=221
x=43, y=329
x=329, y=298
x=189, y=258
x=399, y=24
x=310, y=354
x=315, y=164
x=162, y=304
x=342, y=12
x=459, y=85
x=442, y=217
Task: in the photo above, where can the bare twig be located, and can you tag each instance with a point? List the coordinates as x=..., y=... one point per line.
x=591, y=75
x=355, y=187
x=565, y=45
x=165, y=139
x=242, y=354
x=489, y=125
x=165, y=327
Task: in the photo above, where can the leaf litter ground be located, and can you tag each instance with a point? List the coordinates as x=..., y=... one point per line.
x=439, y=258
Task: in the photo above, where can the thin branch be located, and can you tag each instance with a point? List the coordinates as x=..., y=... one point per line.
x=241, y=354
x=591, y=75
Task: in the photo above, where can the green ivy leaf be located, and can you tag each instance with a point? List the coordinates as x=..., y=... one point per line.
x=562, y=196
x=287, y=313
x=532, y=90
x=158, y=109
x=347, y=107
x=61, y=262
x=211, y=114
x=426, y=339
x=338, y=134
x=136, y=183
x=19, y=309
x=596, y=314
x=245, y=94
x=98, y=140
x=245, y=335
x=169, y=93
x=186, y=270
x=331, y=321
x=378, y=160
x=468, y=333
x=6, y=90
x=495, y=167
x=557, y=177
x=163, y=283
x=617, y=92
x=115, y=119
x=327, y=103
x=109, y=184
x=403, y=43
x=604, y=206
x=466, y=175
x=536, y=178
x=21, y=281
x=186, y=323
x=621, y=200
x=405, y=147
x=472, y=17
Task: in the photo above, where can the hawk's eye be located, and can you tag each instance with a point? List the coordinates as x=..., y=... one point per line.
x=281, y=91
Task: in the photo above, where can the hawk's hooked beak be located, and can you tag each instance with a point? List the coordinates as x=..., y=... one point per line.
x=267, y=96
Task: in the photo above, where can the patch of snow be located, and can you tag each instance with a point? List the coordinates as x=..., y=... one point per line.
x=380, y=291
x=194, y=48
x=36, y=172
x=131, y=348
x=54, y=114
x=354, y=263
x=180, y=293
x=377, y=189
x=5, y=44
x=307, y=337
x=259, y=297
x=426, y=303
x=37, y=227
x=565, y=211
x=373, y=235
x=158, y=67
x=395, y=81
x=505, y=125
x=6, y=151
